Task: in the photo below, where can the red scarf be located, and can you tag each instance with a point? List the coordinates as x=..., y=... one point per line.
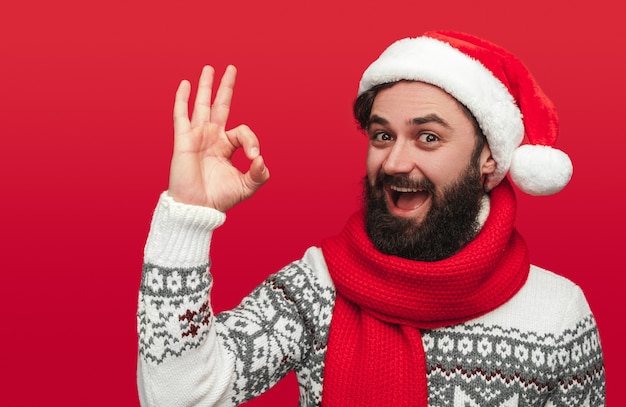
x=375, y=355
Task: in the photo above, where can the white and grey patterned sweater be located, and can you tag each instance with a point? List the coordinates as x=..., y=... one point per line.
x=539, y=349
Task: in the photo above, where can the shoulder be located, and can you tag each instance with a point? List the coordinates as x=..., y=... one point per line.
x=550, y=291
x=305, y=280
x=305, y=286
x=547, y=304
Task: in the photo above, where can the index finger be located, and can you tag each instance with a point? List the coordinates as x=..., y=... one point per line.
x=224, y=97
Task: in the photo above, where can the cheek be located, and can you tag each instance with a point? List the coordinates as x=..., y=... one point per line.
x=443, y=171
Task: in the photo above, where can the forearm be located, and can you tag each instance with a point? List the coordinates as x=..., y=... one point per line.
x=180, y=360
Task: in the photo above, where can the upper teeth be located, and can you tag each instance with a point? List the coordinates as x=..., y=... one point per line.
x=400, y=189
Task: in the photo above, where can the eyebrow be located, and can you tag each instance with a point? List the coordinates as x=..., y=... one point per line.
x=429, y=118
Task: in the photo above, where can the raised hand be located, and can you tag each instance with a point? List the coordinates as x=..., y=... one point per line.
x=201, y=171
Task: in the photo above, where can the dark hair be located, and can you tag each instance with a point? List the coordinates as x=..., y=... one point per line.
x=362, y=109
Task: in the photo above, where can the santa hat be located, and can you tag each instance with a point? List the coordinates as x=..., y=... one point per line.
x=496, y=87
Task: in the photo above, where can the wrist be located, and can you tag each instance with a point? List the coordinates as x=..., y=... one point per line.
x=180, y=234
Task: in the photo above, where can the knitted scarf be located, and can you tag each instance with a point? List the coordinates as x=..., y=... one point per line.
x=375, y=355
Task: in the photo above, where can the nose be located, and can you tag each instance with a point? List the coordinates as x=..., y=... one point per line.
x=399, y=160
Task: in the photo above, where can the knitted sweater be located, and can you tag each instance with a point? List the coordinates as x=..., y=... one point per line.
x=541, y=348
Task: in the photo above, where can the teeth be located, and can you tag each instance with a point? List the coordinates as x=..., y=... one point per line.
x=400, y=189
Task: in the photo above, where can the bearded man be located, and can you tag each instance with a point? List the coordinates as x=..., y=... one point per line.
x=426, y=298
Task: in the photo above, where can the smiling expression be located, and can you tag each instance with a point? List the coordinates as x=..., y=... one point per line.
x=421, y=142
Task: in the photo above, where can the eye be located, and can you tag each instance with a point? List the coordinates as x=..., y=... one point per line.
x=428, y=138
x=380, y=137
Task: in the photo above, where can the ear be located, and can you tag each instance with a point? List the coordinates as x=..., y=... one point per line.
x=487, y=163
x=487, y=168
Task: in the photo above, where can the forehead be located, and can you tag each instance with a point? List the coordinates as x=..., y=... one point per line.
x=410, y=98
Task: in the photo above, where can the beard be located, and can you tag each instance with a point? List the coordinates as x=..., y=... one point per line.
x=449, y=225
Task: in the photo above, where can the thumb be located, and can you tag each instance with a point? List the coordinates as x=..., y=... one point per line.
x=257, y=175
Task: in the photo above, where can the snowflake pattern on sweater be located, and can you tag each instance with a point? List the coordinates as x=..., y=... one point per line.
x=276, y=330
x=518, y=355
x=478, y=365
x=282, y=326
x=176, y=315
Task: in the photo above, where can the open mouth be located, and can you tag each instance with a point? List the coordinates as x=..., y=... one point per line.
x=407, y=198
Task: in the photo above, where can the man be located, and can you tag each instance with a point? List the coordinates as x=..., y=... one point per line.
x=426, y=298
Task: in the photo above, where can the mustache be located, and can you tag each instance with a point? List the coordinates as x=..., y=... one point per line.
x=403, y=181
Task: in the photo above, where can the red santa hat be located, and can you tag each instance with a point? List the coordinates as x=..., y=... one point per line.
x=496, y=87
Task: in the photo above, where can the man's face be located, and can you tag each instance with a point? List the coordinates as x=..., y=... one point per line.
x=423, y=188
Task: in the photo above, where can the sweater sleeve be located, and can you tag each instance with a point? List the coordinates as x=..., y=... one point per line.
x=187, y=355
x=578, y=353
x=178, y=352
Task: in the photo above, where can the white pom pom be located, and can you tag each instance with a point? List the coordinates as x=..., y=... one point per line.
x=540, y=170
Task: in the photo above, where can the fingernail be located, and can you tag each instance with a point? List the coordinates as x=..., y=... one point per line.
x=254, y=152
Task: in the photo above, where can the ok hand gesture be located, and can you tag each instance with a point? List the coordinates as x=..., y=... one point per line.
x=201, y=171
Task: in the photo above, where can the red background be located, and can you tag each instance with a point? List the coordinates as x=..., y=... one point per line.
x=85, y=139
